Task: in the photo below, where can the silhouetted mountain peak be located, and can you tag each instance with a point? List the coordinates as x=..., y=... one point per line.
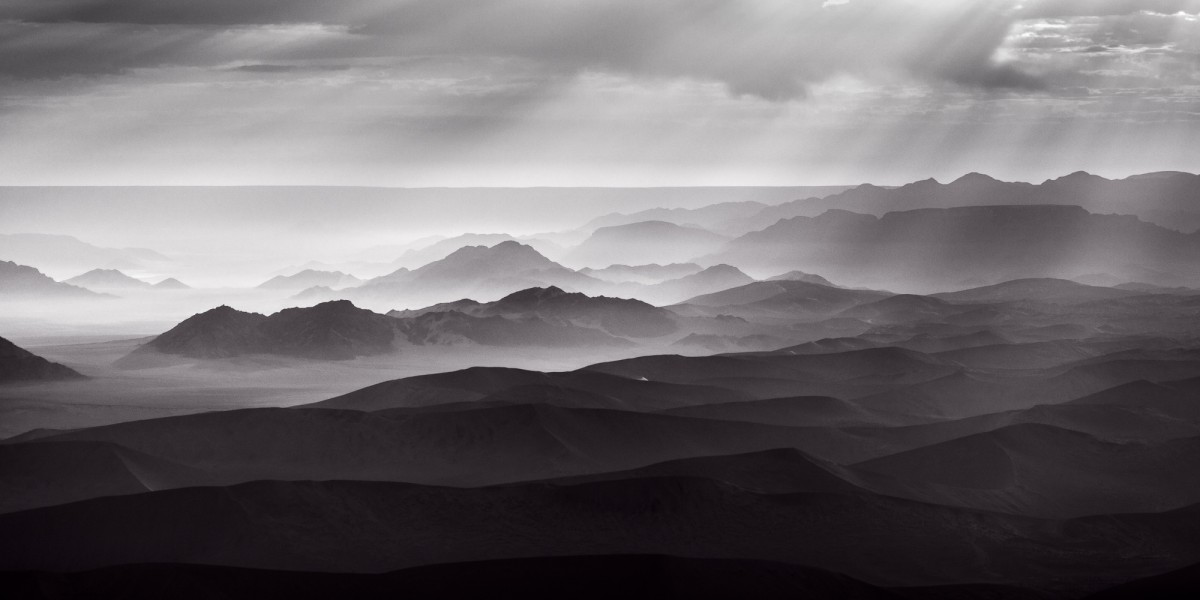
x=330, y=330
x=336, y=306
x=107, y=278
x=171, y=283
x=511, y=246
x=924, y=184
x=1078, y=177
x=974, y=178
x=797, y=275
x=721, y=270
x=310, y=278
x=534, y=296
x=509, y=250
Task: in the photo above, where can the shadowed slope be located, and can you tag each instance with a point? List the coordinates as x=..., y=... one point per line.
x=477, y=383
x=357, y=527
x=19, y=364
x=1048, y=471
x=600, y=577
x=45, y=474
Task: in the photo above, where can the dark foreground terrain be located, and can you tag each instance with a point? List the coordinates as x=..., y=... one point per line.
x=977, y=389
x=1035, y=439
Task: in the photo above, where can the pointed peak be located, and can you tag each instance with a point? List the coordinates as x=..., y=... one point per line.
x=172, y=283
x=930, y=182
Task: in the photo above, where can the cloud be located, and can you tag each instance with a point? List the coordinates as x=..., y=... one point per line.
x=1048, y=9
x=771, y=49
x=177, y=12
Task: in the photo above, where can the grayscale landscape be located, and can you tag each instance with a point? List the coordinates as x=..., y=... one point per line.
x=816, y=299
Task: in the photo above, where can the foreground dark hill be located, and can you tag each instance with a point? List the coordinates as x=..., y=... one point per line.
x=22, y=282
x=36, y=475
x=298, y=526
x=1168, y=199
x=959, y=247
x=492, y=444
x=1181, y=583
x=582, y=577
x=1017, y=463
x=1047, y=471
x=19, y=364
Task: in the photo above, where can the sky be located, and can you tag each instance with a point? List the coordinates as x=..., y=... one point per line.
x=460, y=93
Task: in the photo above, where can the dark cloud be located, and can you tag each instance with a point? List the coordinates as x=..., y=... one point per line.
x=763, y=48
x=41, y=51
x=177, y=12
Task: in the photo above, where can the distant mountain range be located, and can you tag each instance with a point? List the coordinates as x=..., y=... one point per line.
x=20, y=281
x=472, y=271
x=416, y=257
x=642, y=273
x=714, y=217
x=1169, y=199
x=114, y=281
x=63, y=254
x=615, y=316
x=337, y=330
x=310, y=278
x=633, y=243
x=928, y=249
x=334, y=330
x=108, y=279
